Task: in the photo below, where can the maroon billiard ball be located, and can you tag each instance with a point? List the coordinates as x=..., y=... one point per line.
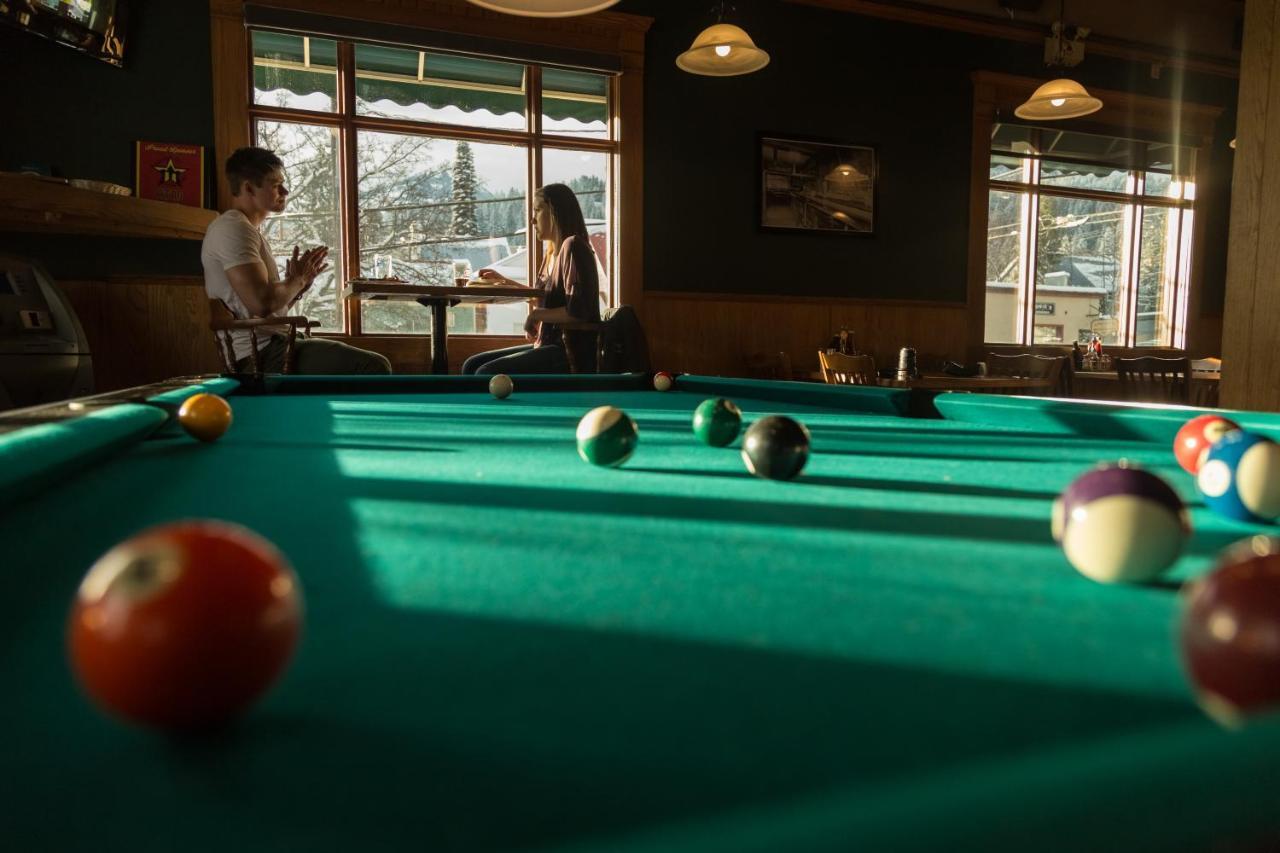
x=184, y=625
x=1230, y=632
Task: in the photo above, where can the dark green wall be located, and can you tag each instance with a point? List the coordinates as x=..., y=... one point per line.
x=903, y=89
x=82, y=116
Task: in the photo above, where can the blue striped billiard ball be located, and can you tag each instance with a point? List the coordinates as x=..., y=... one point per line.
x=1240, y=477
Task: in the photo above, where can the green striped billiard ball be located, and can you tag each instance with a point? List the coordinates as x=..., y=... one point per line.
x=606, y=436
x=717, y=421
x=776, y=447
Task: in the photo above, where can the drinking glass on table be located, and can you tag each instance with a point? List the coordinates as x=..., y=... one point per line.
x=461, y=271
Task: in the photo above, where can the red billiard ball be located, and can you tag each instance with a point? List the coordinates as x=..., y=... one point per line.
x=205, y=416
x=184, y=625
x=662, y=381
x=1196, y=437
x=1230, y=632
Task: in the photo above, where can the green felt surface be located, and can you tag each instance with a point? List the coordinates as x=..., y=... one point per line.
x=508, y=648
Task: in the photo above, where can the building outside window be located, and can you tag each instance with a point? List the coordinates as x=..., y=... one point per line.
x=1088, y=236
x=418, y=164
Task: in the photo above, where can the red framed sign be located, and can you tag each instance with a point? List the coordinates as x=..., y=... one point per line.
x=170, y=172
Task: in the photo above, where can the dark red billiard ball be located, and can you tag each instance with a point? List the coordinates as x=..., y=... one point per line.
x=662, y=381
x=205, y=416
x=1230, y=632
x=1196, y=437
x=184, y=625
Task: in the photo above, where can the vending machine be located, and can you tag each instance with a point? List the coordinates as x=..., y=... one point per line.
x=44, y=356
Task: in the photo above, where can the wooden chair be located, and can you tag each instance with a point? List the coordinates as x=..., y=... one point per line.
x=769, y=366
x=584, y=327
x=1055, y=368
x=839, y=369
x=1148, y=379
x=222, y=323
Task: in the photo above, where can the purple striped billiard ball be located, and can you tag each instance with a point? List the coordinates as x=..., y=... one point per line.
x=1120, y=524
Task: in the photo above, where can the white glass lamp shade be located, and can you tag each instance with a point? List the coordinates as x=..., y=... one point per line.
x=722, y=50
x=1058, y=99
x=546, y=8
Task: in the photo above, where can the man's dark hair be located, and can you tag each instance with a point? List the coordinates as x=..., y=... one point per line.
x=250, y=164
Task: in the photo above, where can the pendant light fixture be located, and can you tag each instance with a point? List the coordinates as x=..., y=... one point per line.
x=1062, y=98
x=545, y=8
x=722, y=50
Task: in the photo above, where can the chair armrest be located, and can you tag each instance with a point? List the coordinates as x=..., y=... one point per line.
x=581, y=325
x=258, y=322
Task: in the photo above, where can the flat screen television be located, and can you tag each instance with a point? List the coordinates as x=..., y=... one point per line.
x=95, y=27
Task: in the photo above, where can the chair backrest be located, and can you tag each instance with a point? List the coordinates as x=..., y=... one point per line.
x=763, y=365
x=1055, y=368
x=1148, y=379
x=221, y=321
x=623, y=345
x=840, y=369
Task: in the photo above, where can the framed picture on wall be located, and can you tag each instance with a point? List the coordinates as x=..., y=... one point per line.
x=165, y=171
x=810, y=185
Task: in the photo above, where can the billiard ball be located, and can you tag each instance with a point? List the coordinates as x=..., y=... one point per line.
x=717, y=421
x=776, y=447
x=1240, y=477
x=1230, y=632
x=205, y=416
x=662, y=381
x=501, y=386
x=1196, y=437
x=184, y=625
x=606, y=437
x=1120, y=524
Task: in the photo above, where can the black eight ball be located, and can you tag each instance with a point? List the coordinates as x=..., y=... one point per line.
x=776, y=447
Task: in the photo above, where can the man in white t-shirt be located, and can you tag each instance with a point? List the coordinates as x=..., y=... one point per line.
x=240, y=269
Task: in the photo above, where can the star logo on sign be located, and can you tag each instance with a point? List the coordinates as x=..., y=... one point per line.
x=169, y=173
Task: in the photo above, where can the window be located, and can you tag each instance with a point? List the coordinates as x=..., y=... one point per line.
x=420, y=163
x=1092, y=230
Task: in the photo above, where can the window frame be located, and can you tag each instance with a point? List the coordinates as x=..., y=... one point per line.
x=1135, y=204
x=349, y=124
x=1124, y=115
x=607, y=33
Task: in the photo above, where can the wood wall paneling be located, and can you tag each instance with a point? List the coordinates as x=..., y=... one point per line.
x=1251, y=315
x=144, y=329
x=722, y=335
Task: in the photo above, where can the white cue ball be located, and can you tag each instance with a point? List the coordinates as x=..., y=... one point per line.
x=501, y=386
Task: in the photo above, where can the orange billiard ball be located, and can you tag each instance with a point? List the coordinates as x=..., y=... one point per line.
x=205, y=416
x=184, y=625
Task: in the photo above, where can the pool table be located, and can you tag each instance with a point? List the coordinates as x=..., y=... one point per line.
x=506, y=647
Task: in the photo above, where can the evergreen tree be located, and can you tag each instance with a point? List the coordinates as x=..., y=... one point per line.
x=464, y=193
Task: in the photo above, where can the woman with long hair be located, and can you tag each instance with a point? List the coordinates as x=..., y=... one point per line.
x=570, y=286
